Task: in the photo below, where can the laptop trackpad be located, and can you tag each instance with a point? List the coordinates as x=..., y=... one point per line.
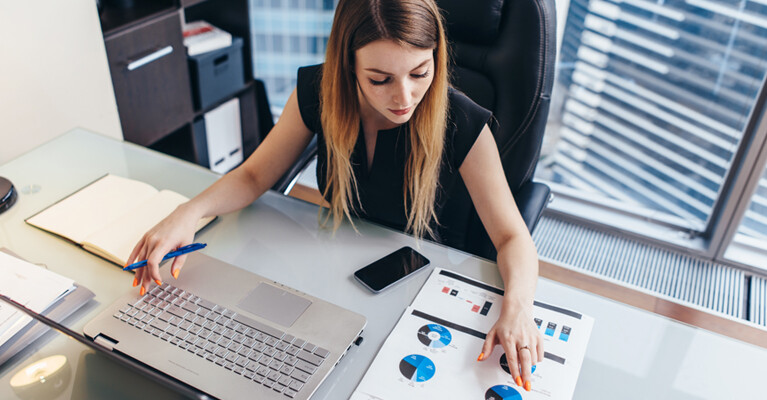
x=274, y=304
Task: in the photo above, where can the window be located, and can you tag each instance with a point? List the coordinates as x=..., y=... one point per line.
x=287, y=34
x=749, y=245
x=650, y=108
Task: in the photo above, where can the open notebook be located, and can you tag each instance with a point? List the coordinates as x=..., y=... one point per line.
x=109, y=216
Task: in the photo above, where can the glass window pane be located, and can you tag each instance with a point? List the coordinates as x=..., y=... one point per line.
x=651, y=101
x=749, y=245
x=287, y=34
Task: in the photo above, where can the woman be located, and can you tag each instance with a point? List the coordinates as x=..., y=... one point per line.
x=394, y=140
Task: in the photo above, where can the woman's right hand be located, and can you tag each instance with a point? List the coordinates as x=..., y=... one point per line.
x=176, y=230
x=235, y=190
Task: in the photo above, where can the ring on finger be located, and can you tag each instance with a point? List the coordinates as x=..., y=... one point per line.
x=525, y=347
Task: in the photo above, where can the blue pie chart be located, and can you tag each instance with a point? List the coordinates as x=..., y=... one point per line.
x=502, y=392
x=434, y=335
x=505, y=365
x=417, y=368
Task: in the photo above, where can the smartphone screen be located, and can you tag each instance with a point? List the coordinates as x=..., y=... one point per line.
x=386, y=271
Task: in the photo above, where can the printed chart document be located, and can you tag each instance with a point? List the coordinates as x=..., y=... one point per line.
x=109, y=216
x=432, y=351
x=34, y=287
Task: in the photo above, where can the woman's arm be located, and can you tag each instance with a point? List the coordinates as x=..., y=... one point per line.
x=233, y=191
x=483, y=175
x=260, y=171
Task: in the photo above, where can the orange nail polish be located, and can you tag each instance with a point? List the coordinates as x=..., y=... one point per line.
x=142, y=291
x=480, y=356
x=175, y=273
x=158, y=282
x=519, y=381
x=135, y=282
x=527, y=385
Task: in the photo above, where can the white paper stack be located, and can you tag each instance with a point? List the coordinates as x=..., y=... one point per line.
x=34, y=287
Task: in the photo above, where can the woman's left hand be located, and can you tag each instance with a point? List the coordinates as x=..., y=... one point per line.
x=516, y=331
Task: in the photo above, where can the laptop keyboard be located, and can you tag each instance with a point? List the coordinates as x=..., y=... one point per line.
x=239, y=344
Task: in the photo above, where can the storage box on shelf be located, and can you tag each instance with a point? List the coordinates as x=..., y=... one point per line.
x=217, y=74
x=161, y=92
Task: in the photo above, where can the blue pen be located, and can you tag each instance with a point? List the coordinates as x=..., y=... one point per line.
x=181, y=250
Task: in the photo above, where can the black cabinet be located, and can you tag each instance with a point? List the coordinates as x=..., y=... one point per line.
x=151, y=76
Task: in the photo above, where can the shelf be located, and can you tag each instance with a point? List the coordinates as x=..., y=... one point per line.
x=178, y=143
x=115, y=18
x=189, y=3
x=155, y=100
x=248, y=86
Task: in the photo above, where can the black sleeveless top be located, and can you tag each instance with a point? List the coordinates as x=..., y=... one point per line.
x=381, y=187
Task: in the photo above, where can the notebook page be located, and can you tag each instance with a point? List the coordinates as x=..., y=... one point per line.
x=93, y=207
x=116, y=241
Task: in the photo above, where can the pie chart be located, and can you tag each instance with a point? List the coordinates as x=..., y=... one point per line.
x=502, y=392
x=417, y=368
x=434, y=335
x=505, y=364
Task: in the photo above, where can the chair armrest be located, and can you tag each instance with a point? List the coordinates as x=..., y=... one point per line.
x=285, y=183
x=531, y=199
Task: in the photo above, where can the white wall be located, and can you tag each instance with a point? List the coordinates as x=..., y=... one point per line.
x=54, y=74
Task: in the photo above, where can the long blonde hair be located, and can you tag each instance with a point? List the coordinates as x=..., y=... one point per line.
x=417, y=23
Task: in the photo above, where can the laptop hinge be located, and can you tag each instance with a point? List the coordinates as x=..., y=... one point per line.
x=105, y=341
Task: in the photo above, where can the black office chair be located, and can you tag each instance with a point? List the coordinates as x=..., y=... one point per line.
x=503, y=58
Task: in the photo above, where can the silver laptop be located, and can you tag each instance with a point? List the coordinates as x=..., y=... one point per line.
x=117, y=357
x=229, y=333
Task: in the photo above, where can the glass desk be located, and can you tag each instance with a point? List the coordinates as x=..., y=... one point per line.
x=633, y=354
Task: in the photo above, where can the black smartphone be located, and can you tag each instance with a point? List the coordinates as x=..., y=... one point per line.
x=391, y=269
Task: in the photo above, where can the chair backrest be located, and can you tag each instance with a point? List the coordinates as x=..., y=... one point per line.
x=503, y=55
x=503, y=58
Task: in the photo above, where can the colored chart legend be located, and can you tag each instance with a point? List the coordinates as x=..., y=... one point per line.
x=550, y=328
x=479, y=306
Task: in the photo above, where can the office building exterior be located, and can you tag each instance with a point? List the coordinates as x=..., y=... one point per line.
x=288, y=34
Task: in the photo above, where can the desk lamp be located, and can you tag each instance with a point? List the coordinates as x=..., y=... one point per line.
x=7, y=194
